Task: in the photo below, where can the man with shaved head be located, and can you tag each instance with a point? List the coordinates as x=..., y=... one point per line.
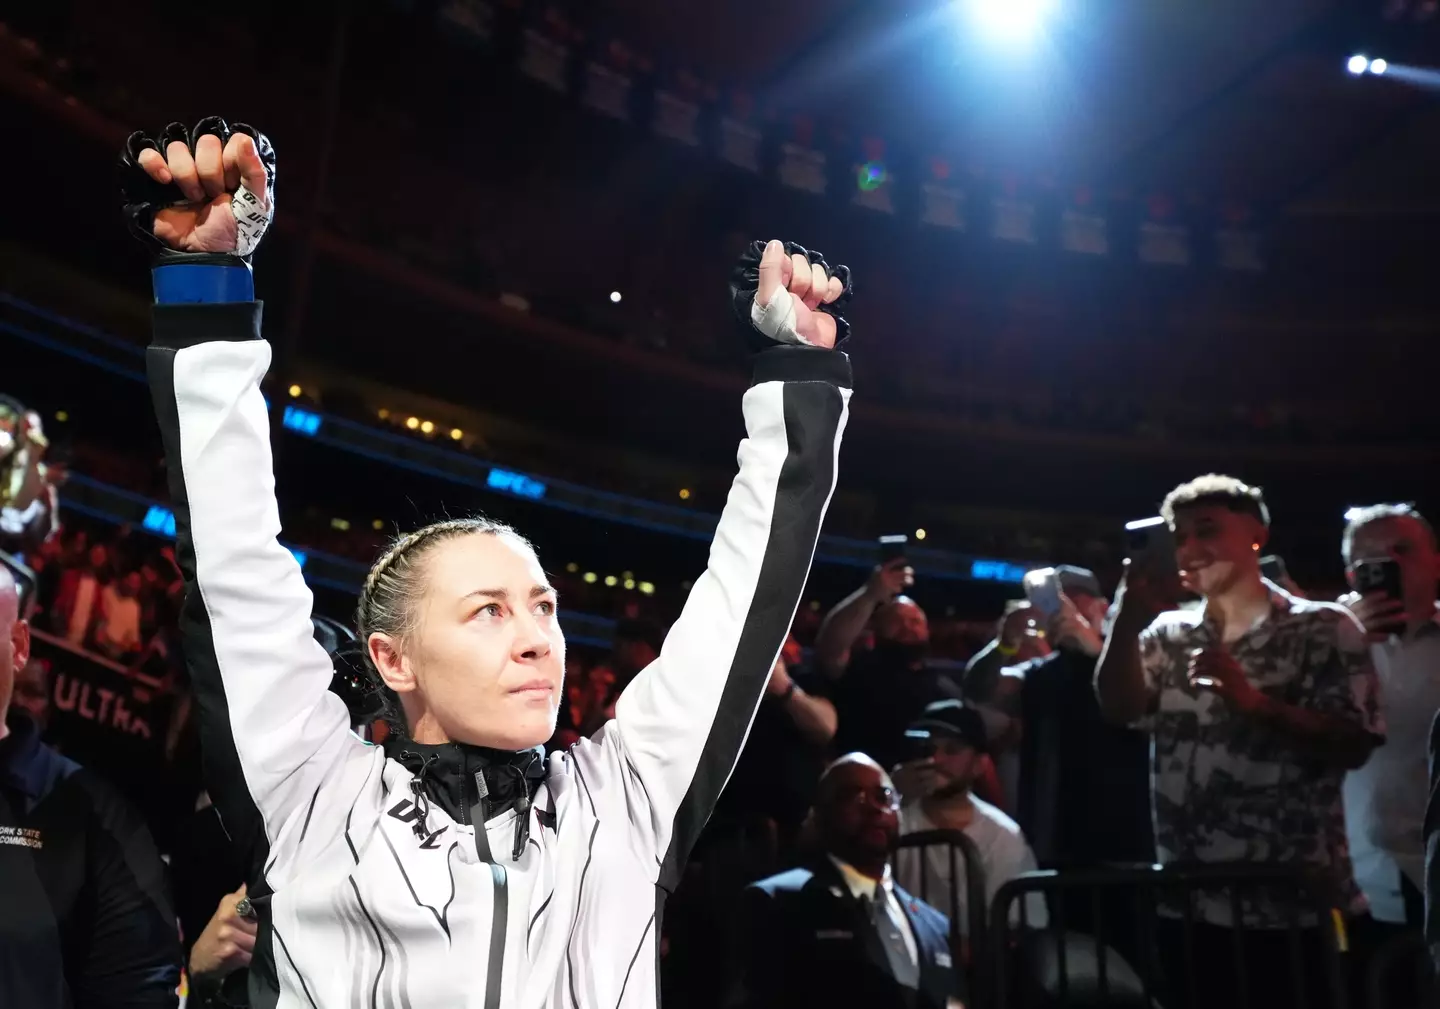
x=882, y=685
x=84, y=919
x=838, y=931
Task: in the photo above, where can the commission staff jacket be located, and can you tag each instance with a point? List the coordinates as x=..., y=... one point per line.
x=85, y=919
x=356, y=908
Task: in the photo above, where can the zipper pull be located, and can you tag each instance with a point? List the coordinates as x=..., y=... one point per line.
x=522, y=819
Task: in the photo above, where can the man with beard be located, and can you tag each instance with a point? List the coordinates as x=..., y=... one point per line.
x=838, y=931
x=935, y=786
x=880, y=690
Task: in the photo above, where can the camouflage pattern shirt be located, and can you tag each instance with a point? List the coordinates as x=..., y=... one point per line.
x=1226, y=788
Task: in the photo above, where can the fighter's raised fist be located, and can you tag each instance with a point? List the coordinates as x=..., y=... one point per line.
x=206, y=190
x=790, y=295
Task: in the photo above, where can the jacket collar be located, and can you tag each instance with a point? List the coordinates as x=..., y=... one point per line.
x=471, y=783
x=23, y=763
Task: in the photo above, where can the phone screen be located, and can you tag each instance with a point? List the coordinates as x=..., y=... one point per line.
x=1042, y=588
x=1381, y=575
x=893, y=547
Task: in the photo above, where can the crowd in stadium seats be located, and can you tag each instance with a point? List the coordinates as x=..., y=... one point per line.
x=908, y=773
x=1011, y=754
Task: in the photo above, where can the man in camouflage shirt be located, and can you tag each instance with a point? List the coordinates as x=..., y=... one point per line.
x=1257, y=702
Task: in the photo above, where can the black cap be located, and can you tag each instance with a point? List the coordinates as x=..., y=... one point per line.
x=952, y=719
x=1078, y=581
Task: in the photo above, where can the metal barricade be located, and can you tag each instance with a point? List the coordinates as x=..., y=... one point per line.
x=1399, y=975
x=969, y=963
x=1111, y=980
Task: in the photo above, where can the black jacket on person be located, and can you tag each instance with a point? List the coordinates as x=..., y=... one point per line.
x=804, y=940
x=85, y=920
x=878, y=697
x=1084, y=795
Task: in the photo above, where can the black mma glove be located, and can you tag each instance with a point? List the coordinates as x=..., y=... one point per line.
x=200, y=233
x=767, y=325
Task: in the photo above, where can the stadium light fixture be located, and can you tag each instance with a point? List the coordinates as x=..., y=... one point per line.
x=1357, y=64
x=614, y=297
x=1010, y=20
x=1378, y=67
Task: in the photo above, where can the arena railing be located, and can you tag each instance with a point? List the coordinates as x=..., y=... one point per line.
x=1063, y=967
x=968, y=944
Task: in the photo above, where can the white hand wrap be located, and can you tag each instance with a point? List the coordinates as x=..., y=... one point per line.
x=252, y=217
x=777, y=319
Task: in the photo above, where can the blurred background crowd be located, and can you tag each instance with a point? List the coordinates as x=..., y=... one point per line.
x=1092, y=263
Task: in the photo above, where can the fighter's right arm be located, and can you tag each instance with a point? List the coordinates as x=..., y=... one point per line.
x=272, y=731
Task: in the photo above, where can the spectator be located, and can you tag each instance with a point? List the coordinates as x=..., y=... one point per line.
x=838, y=931
x=1257, y=703
x=84, y=918
x=1017, y=639
x=785, y=751
x=1083, y=786
x=880, y=690
x=1385, y=799
x=935, y=786
x=78, y=604
x=635, y=645
x=117, y=633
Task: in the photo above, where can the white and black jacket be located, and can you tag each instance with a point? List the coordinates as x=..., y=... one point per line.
x=356, y=908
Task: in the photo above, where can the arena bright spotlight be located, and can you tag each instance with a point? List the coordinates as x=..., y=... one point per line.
x=1378, y=67
x=1357, y=64
x=1010, y=19
x=295, y=391
x=456, y=434
x=427, y=427
x=614, y=297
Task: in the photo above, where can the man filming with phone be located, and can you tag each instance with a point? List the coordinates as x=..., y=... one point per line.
x=880, y=690
x=1083, y=785
x=1392, y=565
x=1258, y=703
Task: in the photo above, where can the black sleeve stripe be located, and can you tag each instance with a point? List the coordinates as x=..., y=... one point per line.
x=179, y=326
x=220, y=761
x=813, y=412
x=802, y=364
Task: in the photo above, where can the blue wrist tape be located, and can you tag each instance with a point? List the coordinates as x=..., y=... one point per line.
x=202, y=284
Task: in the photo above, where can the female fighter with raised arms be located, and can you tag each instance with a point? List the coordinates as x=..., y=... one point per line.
x=455, y=867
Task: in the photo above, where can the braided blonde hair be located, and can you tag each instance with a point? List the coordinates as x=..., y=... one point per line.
x=396, y=582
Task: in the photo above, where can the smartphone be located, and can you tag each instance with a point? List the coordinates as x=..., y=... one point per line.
x=1379, y=575
x=1273, y=568
x=919, y=745
x=1042, y=588
x=1150, y=545
x=892, y=548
